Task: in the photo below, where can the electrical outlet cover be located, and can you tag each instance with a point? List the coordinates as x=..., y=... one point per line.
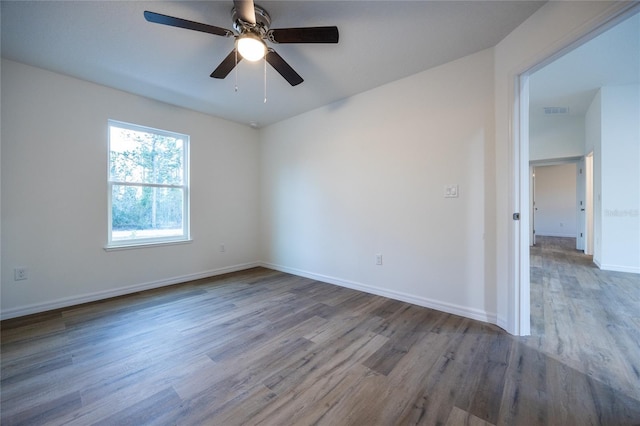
x=20, y=274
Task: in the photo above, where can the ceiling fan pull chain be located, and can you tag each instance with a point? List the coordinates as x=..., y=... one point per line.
x=265, y=79
x=236, y=69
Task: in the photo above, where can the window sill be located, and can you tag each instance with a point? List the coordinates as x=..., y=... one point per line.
x=131, y=246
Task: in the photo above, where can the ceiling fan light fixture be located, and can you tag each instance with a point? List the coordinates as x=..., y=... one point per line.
x=251, y=47
x=252, y=27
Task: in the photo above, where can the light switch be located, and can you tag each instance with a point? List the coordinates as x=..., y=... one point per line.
x=451, y=191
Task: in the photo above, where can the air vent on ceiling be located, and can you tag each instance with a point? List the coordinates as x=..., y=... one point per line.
x=556, y=110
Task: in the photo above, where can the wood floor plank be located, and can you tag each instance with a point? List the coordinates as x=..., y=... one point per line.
x=320, y=361
x=34, y=366
x=322, y=378
x=45, y=412
x=460, y=417
x=238, y=410
x=436, y=387
x=147, y=411
x=37, y=390
x=342, y=325
x=484, y=398
x=525, y=393
x=444, y=363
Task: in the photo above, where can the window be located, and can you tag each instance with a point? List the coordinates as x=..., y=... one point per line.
x=148, y=185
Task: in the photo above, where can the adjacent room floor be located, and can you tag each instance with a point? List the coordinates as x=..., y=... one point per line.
x=584, y=317
x=264, y=347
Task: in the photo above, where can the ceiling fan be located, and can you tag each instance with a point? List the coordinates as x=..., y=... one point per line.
x=252, y=28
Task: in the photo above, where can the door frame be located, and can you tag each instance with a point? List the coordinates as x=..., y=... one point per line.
x=533, y=165
x=589, y=227
x=520, y=299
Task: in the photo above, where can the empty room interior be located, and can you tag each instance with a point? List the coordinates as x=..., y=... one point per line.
x=397, y=212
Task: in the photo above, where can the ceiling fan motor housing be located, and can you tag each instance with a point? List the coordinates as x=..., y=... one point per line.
x=260, y=28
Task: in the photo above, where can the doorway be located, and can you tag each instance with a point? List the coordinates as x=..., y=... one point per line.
x=561, y=205
x=589, y=240
x=555, y=198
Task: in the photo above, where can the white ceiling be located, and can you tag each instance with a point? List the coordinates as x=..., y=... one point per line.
x=110, y=43
x=610, y=59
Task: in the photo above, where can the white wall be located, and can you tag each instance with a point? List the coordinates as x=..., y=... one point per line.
x=366, y=175
x=54, y=193
x=555, y=201
x=620, y=190
x=593, y=143
x=613, y=134
x=554, y=137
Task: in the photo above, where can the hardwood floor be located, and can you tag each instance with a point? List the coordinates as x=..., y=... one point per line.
x=587, y=318
x=264, y=347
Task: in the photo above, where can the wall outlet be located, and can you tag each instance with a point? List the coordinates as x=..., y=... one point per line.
x=20, y=274
x=222, y=248
x=378, y=259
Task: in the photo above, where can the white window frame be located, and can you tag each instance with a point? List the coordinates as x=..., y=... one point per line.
x=151, y=241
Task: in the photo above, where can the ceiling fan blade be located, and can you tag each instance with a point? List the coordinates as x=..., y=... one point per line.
x=226, y=65
x=283, y=68
x=304, y=35
x=245, y=10
x=158, y=18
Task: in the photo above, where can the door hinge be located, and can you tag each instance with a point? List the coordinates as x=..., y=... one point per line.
x=516, y=216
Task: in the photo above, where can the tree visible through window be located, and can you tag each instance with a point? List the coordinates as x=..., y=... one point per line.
x=148, y=185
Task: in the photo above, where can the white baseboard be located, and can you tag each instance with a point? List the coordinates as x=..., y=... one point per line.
x=472, y=313
x=620, y=268
x=554, y=234
x=101, y=295
x=616, y=268
x=450, y=308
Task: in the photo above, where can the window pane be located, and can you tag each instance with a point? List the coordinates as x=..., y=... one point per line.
x=146, y=212
x=143, y=157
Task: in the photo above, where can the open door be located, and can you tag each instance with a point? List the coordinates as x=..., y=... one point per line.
x=517, y=308
x=581, y=204
x=532, y=205
x=589, y=228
